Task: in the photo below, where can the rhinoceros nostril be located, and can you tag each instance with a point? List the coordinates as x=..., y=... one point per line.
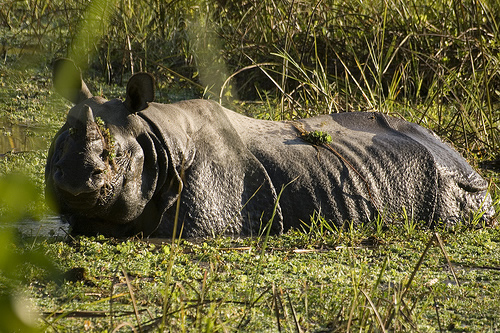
x=58, y=175
x=97, y=178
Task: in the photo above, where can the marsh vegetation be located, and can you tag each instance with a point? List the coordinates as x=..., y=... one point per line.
x=436, y=63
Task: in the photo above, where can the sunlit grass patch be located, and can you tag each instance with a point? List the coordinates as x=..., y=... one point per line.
x=318, y=287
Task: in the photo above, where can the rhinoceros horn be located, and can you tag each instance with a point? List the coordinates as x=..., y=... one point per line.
x=85, y=125
x=89, y=123
x=88, y=115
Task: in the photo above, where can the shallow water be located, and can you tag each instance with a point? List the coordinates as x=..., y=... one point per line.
x=50, y=226
x=21, y=137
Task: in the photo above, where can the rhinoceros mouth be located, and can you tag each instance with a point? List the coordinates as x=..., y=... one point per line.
x=89, y=202
x=81, y=202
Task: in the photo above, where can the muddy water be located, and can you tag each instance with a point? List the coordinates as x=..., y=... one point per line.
x=19, y=137
x=50, y=226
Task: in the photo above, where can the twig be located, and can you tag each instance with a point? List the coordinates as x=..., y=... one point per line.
x=310, y=251
x=441, y=245
x=242, y=248
x=436, y=306
x=276, y=307
x=87, y=314
x=417, y=267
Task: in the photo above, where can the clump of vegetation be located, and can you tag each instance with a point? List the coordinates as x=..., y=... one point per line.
x=317, y=138
x=109, y=152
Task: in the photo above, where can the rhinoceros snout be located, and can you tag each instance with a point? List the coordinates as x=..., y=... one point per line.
x=76, y=185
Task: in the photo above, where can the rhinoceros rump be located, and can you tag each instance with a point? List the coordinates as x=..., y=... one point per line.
x=119, y=167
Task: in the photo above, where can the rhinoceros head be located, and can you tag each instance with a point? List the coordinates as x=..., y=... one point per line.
x=97, y=169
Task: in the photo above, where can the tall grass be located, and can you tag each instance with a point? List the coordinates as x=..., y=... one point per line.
x=433, y=62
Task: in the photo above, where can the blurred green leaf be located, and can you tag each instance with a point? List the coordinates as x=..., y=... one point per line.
x=17, y=313
x=16, y=194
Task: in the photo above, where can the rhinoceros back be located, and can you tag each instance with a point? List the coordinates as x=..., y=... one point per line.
x=392, y=167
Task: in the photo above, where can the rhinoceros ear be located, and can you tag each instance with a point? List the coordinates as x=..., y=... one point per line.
x=68, y=81
x=140, y=91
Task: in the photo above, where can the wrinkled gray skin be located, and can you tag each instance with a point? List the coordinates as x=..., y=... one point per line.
x=230, y=169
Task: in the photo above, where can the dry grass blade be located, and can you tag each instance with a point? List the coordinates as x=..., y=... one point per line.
x=441, y=246
x=132, y=297
x=124, y=324
x=294, y=313
x=239, y=71
x=374, y=308
x=278, y=86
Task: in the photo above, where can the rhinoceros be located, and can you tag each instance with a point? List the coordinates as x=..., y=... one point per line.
x=123, y=168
